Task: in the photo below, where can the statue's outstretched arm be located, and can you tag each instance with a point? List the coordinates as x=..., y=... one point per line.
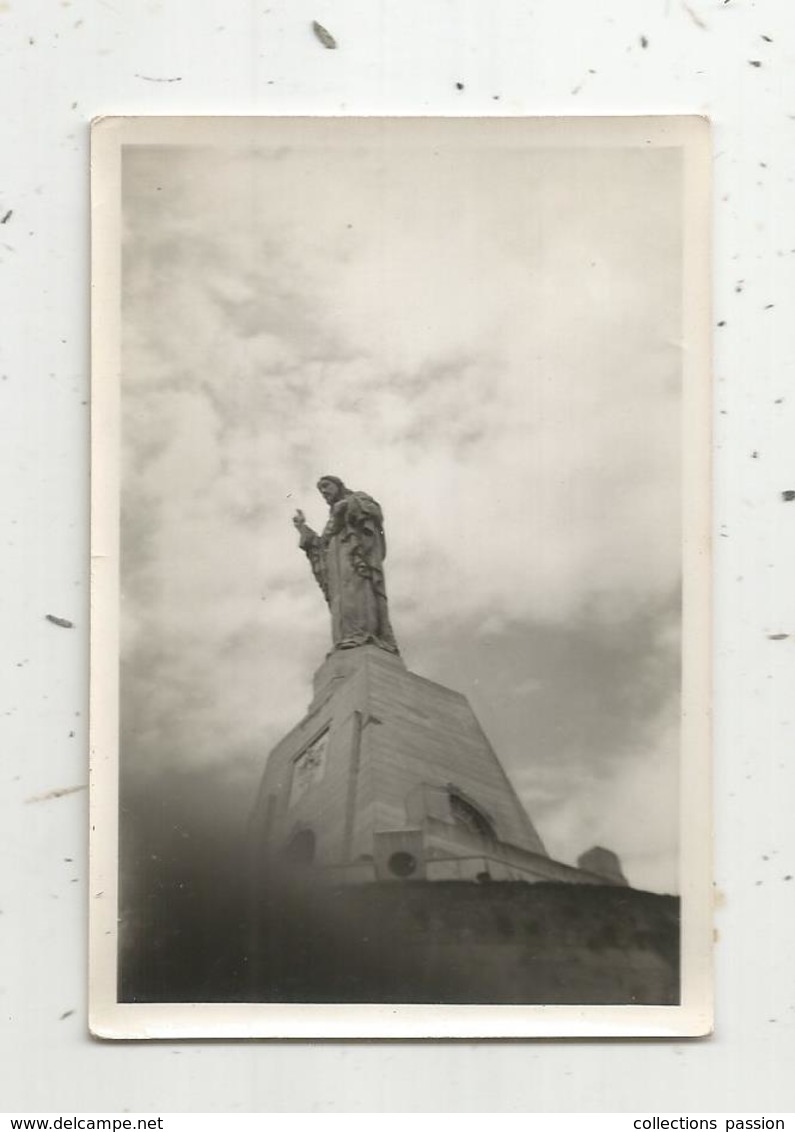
x=308, y=536
x=312, y=545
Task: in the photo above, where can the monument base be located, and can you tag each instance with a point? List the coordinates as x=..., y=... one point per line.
x=499, y=943
x=389, y=777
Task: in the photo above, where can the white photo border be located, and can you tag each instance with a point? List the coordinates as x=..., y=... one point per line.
x=112, y=1019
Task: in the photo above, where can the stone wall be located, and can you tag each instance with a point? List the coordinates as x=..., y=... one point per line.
x=387, y=749
x=461, y=942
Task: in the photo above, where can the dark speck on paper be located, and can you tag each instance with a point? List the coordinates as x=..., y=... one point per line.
x=694, y=16
x=325, y=37
x=60, y=793
x=66, y=1014
x=644, y=42
x=153, y=79
x=787, y=496
x=777, y=636
x=767, y=39
x=755, y=62
x=62, y=621
x=722, y=322
x=459, y=86
x=7, y=216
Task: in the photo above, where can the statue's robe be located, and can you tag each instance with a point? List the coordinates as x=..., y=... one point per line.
x=347, y=560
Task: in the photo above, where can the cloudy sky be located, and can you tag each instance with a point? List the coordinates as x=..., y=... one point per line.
x=487, y=341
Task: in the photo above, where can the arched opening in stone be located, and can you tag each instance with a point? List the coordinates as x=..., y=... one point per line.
x=469, y=817
x=300, y=849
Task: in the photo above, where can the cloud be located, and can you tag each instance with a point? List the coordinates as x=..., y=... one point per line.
x=490, y=348
x=634, y=810
x=584, y=718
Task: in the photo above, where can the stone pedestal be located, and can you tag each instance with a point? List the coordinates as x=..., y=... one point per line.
x=389, y=777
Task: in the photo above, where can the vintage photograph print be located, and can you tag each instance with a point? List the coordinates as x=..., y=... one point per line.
x=401, y=577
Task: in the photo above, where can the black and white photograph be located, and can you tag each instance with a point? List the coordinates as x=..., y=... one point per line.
x=400, y=548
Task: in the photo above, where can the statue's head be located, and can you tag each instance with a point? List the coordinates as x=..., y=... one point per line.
x=331, y=488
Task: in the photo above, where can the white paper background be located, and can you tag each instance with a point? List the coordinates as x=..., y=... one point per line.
x=61, y=64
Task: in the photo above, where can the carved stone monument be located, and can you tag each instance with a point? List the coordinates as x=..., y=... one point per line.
x=389, y=776
x=347, y=560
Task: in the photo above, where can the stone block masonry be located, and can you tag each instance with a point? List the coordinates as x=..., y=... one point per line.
x=385, y=758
